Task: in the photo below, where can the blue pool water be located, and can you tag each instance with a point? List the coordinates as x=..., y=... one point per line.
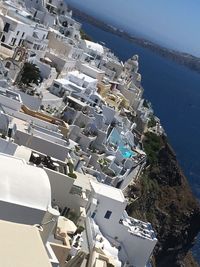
x=116, y=139
x=127, y=153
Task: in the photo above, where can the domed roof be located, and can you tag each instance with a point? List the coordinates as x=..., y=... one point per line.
x=94, y=46
x=1, y=25
x=23, y=184
x=139, y=77
x=133, y=61
x=135, y=57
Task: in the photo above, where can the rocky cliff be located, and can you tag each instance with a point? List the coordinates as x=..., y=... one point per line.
x=163, y=197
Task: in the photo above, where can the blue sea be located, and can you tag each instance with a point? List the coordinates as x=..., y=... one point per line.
x=174, y=92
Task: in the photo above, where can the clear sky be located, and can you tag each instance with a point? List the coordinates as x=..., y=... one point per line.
x=172, y=23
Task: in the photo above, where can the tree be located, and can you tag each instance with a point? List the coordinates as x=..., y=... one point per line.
x=30, y=74
x=84, y=35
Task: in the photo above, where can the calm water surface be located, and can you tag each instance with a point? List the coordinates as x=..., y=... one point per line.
x=174, y=92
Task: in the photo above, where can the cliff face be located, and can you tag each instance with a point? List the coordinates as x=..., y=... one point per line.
x=163, y=197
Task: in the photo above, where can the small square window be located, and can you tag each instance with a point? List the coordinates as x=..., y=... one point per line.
x=108, y=214
x=8, y=64
x=93, y=215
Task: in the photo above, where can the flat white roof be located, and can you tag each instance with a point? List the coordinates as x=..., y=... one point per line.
x=79, y=102
x=94, y=46
x=13, y=19
x=108, y=191
x=10, y=94
x=23, y=152
x=24, y=184
x=21, y=246
x=94, y=68
x=66, y=82
x=82, y=76
x=83, y=180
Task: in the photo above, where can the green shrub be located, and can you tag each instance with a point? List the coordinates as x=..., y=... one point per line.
x=85, y=36
x=152, y=145
x=145, y=103
x=72, y=175
x=71, y=167
x=152, y=122
x=80, y=229
x=82, y=125
x=73, y=216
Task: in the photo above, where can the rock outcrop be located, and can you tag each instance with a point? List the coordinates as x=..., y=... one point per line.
x=163, y=197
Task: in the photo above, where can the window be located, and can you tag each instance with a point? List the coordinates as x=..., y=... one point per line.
x=13, y=41
x=8, y=64
x=3, y=39
x=18, y=56
x=108, y=214
x=17, y=33
x=64, y=24
x=93, y=215
x=23, y=34
x=56, y=85
x=6, y=27
x=20, y=42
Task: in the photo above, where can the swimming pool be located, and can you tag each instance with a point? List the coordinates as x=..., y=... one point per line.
x=127, y=153
x=116, y=139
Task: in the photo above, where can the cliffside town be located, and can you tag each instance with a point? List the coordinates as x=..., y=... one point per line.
x=87, y=175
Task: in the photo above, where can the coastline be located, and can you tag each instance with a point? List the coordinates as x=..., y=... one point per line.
x=188, y=258
x=185, y=59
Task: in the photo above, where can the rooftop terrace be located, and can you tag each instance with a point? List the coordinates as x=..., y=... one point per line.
x=10, y=94
x=137, y=227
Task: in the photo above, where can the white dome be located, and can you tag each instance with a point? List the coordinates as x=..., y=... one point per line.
x=139, y=77
x=135, y=58
x=133, y=61
x=23, y=184
x=94, y=46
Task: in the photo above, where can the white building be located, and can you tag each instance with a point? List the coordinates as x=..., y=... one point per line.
x=92, y=51
x=20, y=29
x=91, y=71
x=25, y=192
x=74, y=82
x=10, y=100
x=134, y=239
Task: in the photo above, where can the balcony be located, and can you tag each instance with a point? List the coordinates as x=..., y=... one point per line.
x=137, y=227
x=36, y=40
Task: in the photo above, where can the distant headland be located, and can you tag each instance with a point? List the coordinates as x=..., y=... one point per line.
x=188, y=60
